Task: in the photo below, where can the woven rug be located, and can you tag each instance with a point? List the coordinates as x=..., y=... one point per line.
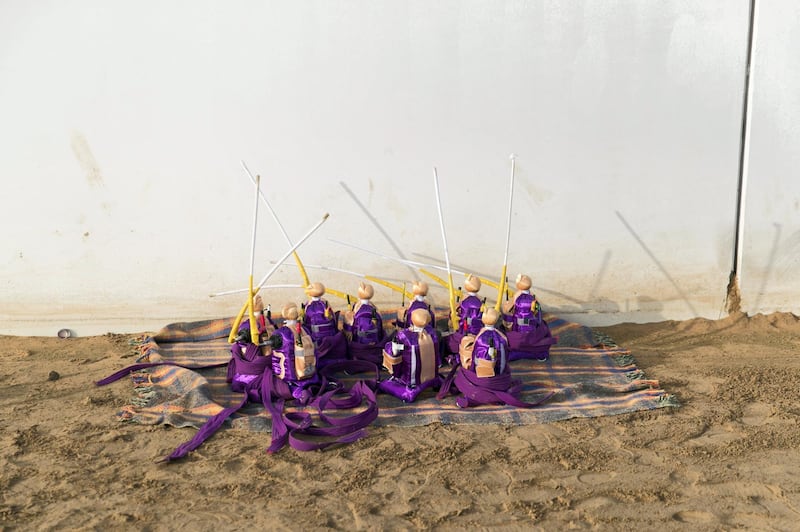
x=588, y=375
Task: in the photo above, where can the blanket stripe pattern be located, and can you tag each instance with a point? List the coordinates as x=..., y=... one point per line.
x=588, y=375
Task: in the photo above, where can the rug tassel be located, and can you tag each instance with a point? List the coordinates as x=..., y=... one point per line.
x=623, y=360
x=634, y=375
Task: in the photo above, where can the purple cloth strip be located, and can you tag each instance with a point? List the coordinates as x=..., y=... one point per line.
x=291, y=427
x=403, y=392
x=369, y=352
x=331, y=349
x=489, y=390
x=520, y=341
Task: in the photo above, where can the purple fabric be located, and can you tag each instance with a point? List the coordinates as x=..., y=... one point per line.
x=292, y=427
x=319, y=319
x=286, y=365
x=369, y=352
x=526, y=315
x=414, y=305
x=206, y=431
x=245, y=369
x=367, y=335
x=469, y=312
x=331, y=349
x=250, y=373
x=406, y=383
x=453, y=341
x=405, y=393
x=246, y=358
x=484, y=342
x=367, y=325
x=409, y=370
x=476, y=391
x=533, y=345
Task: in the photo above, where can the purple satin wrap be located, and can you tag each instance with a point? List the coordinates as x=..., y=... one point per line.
x=476, y=391
x=469, y=312
x=331, y=349
x=367, y=335
x=406, y=383
x=414, y=305
x=485, y=339
x=319, y=319
x=533, y=345
x=406, y=393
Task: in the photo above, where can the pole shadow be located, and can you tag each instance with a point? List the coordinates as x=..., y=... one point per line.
x=657, y=262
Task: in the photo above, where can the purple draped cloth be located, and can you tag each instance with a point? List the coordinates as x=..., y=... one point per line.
x=411, y=373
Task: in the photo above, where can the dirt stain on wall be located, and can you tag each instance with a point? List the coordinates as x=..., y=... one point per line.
x=86, y=159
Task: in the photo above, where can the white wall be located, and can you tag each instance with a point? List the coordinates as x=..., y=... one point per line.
x=123, y=125
x=770, y=278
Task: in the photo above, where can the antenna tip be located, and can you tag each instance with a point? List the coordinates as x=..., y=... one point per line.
x=325, y=216
x=512, y=156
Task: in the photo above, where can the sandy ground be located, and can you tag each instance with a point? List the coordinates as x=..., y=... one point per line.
x=728, y=458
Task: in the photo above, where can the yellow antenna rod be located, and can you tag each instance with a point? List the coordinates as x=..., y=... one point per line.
x=300, y=267
x=252, y=316
x=342, y=295
x=387, y=284
x=435, y=278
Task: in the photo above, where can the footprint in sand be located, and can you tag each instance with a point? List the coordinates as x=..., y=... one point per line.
x=705, y=385
x=715, y=436
x=595, y=478
x=694, y=516
x=756, y=414
x=595, y=502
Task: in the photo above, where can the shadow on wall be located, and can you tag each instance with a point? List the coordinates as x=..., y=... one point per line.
x=397, y=249
x=773, y=252
x=657, y=262
x=647, y=306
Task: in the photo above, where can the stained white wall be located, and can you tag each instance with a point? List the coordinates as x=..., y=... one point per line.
x=770, y=277
x=123, y=125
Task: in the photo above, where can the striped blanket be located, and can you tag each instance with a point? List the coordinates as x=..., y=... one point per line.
x=588, y=377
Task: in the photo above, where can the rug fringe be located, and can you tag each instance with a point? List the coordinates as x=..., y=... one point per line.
x=634, y=375
x=668, y=399
x=623, y=360
x=145, y=398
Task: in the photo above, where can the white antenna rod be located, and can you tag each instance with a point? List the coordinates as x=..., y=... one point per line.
x=267, y=204
x=292, y=250
x=240, y=290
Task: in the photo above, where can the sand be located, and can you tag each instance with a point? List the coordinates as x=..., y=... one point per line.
x=728, y=458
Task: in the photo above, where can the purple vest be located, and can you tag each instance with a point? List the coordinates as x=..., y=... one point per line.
x=367, y=325
x=246, y=367
x=526, y=315
x=287, y=364
x=414, y=305
x=319, y=319
x=469, y=311
x=412, y=371
x=491, y=345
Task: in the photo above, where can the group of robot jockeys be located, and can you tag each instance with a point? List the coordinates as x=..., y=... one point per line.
x=412, y=351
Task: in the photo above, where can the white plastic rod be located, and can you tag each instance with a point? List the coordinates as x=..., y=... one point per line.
x=292, y=250
x=267, y=286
